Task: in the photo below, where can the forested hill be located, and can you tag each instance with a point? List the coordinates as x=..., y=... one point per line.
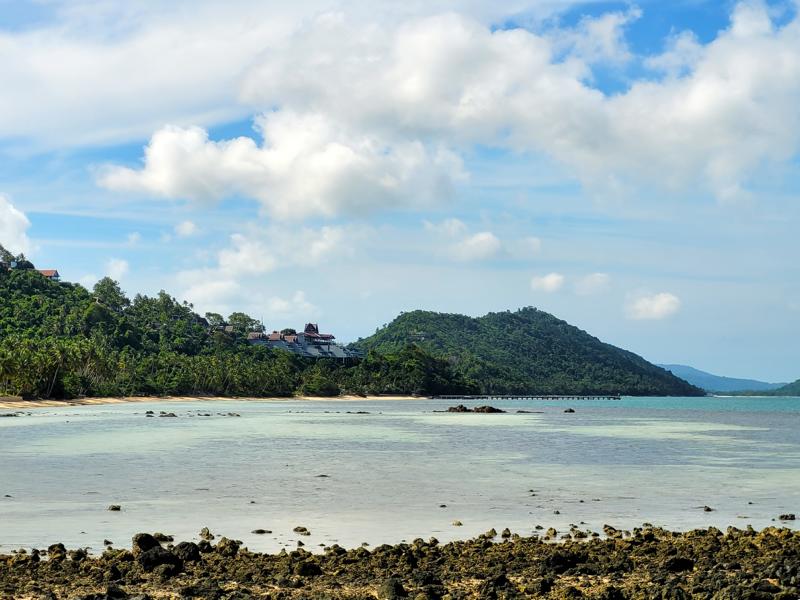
x=791, y=389
x=60, y=340
x=527, y=351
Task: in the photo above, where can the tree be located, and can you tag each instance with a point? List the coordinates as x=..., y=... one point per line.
x=215, y=319
x=243, y=324
x=107, y=292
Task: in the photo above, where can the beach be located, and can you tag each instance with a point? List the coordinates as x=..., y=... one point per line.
x=16, y=403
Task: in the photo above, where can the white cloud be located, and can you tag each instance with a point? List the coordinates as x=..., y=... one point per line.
x=88, y=280
x=455, y=80
x=369, y=106
x=480, y=246
x=449, y=227
x=308, y=166
x=298, y=304
x=599, y=39
x=247, y=256
x=549, y=283
x=13, y=227
x=185, y=229
x=652, y=306
x=237, y=275
x=134, y=238
x=592, y=284
x=117, y=268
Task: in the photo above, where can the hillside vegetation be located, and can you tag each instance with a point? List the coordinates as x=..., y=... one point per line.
x=59, y=340
x=527, y=351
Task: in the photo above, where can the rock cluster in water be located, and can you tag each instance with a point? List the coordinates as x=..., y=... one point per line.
x=478, y=409
x=650, y=564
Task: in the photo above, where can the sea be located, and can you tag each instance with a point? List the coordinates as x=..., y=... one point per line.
x=373, y=472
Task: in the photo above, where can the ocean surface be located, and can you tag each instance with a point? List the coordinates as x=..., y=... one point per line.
x=398, y=472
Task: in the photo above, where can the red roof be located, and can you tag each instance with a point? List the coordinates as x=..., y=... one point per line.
x=49, y=272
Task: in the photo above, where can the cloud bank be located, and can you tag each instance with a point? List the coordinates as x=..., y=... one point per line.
x=356, y=116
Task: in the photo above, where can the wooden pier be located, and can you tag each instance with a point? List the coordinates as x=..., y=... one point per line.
x=527, y=397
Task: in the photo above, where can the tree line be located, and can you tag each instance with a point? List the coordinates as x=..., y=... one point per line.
x=61, y=340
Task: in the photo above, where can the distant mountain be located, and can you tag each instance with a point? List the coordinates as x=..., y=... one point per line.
x=718, y=383
x=527, y=351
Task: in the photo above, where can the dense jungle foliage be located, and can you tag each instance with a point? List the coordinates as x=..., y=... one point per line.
x=527, y=351
x=60, y=340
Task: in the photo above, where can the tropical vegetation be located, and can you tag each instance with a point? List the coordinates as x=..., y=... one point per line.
x=527, y=351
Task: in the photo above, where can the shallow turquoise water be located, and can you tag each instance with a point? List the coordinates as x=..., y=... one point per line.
x=622, y=462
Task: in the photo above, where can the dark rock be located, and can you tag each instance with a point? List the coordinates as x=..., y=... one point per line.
x=307, y=568
x=707, y=509
x=57, y=552
x=187, y=551
x=261, y=531
x=488, y=410
x=205, y=534
x=506, y=533
x=115, y=508
x=569, y=410
x=206, y=588
x=162, y=537
x=767, y=587
x=78, y=555
x=787, y=517
x=676, y=564
x=158, y=556
x=142, y=542
x=301, y=530
x=391, y=589
x=227, y=547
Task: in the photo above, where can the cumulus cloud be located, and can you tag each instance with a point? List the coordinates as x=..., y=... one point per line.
x=374, y=115
x=117, y=268
x=239, y=268
x=13, y=227
x=480, y=246
x=463, y=246
x=307, y=166
x=592, y=284
x=185, y=229
x=652, y=306
x=549, y=283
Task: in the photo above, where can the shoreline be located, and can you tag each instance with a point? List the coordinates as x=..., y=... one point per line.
x=703, y=563
x=10, y=403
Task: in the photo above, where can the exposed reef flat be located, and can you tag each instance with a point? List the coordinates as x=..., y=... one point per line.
x=650, y=563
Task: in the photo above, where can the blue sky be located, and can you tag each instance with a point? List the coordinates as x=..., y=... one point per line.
x=631, y=168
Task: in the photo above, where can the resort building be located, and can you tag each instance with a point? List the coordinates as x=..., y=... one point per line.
x=310, y=343
x=51, y=274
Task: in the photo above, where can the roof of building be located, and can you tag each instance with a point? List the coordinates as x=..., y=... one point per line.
x=49, y=272
x=312, y=331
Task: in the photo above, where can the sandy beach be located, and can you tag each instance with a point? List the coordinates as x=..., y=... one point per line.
x=16, y=403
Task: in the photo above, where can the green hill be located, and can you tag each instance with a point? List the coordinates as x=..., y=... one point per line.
x=60, y=340
x=527, y=351
x=790, y=389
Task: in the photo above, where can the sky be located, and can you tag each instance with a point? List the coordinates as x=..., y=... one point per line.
x=632, y=168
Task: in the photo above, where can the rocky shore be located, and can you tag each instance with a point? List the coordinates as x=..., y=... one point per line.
x=648, y=563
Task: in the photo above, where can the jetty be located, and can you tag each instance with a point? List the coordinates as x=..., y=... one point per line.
x=527, y=397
